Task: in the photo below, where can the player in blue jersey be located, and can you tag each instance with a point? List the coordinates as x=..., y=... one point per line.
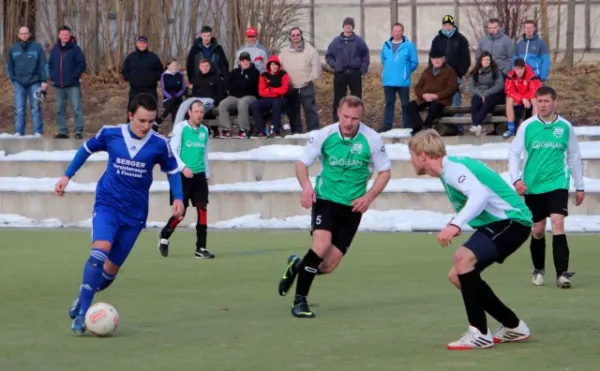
x=122, y=196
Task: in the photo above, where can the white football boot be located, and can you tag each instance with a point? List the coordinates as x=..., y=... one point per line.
x=564, y=281
x=512, y=335
x=473, y=339
x=538, y=278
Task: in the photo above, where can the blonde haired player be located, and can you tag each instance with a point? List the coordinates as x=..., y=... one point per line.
x=502, y=223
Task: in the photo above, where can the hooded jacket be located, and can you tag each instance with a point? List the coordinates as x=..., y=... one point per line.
x=214, y=53
x=242, y=83
x=26, y=64
x=66, y=64
x=456, y=49
x=258, y=53
x=501, y=47
x=273, y=85
x=522, y=88
x=535, y=53
x=399, y=66
x=209, y=85
x=486, y=82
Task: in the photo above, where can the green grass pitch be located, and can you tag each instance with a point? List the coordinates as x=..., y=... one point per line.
x=388, y=307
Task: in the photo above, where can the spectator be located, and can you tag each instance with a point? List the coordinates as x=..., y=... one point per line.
x=273, y=87
x=399, y=59
x=257, y=51
x=26, y=69
x=66, y=65
x=172, y=83
x=486, y=85
x=242, y=85
x=207, y=47
x=499, y=45
x=434, y=89
x=534, y=51
x=455, y=48
x=520, y=88
x=208, y=84
x=142, y=69
x=301, y=61
x=348, y=56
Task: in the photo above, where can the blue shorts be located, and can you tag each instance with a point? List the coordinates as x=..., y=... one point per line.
x=107, y=226
x=494, y=242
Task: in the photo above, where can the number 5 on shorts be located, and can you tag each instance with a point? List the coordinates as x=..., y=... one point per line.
x=318, y=220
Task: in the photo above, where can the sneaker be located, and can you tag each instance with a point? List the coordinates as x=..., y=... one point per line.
x=74, y=309
x=538, y=278
x=37, y=135
x=80, y=136
x=475, y=130
x=507, y=134
x=288, y=276
x=242, y=135
x=202, y=253
x=61, y=136
x=78, y=325
x=300, y=308
x=224, y=134
x=473, y=339
x=18, y=135
x=564, y=280
x=163, y=246
x=512, y=335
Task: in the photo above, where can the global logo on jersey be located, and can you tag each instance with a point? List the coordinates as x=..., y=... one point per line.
x=334, y=161
x=537, y=145
x=559, y=132
x=356, y=148
x=189, y=144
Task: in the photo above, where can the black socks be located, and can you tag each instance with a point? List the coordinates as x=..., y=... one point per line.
x=538, y=253
x=307, y=270
x=560, y=252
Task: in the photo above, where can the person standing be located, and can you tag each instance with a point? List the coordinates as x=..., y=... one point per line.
x=534, y=51
x=258, y=53
x=207, y=47
x=142, y=69
x=499, y=45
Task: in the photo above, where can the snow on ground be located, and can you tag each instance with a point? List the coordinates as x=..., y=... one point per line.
x=373, y=220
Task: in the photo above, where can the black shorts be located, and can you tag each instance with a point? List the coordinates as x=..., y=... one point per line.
x=338, y=219
x=495, y=242
x=544, y=204
x=194, y=189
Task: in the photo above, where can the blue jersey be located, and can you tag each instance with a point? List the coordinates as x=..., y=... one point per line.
x=125, y=185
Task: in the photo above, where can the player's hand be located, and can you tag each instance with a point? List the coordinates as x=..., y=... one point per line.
x=188, y=173
x=579, y=196
x=308, y=197
x=61, y=186
x=447, y=234
x=520, y=187
x=178, y=208
x=361, y=204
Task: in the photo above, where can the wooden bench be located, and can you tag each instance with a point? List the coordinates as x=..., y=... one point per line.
x=496, y=121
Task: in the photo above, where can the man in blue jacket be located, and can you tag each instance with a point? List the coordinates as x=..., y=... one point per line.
x=399, y=59
x=348, y=56
x=534, y=51
x=66, y=65
x=26, y=69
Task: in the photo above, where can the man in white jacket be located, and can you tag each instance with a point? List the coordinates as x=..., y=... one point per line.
x=257, y=51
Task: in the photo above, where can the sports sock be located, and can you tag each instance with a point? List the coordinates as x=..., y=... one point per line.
x=538, y=253
x=470, y=288
x=497, y=308
x=512, y=127
x=107, y=280
x=306, y=272
x=296, y=267
x=560, y=251
x=168, y=230
x=92, y=277
x=201, y=228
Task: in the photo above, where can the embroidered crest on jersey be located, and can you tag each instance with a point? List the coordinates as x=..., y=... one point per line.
x=559, y=132
x=356, y=148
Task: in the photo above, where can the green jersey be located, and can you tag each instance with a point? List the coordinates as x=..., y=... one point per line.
x=551, y=156
x=346, y=163
x=480, y=195
x=190, y=147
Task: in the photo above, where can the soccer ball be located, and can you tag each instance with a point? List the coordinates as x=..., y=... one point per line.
x=101, y=319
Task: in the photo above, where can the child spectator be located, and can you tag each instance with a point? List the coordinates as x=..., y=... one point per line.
x=486, y=84
x=172, y=83
x=520, y=88
x=273, y=86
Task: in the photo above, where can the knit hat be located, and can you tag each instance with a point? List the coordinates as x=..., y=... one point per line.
x=436, y=53
x=448, y=19
x=348, y=20
x=245, y=56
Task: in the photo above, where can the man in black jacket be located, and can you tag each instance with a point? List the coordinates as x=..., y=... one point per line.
x=207, y=47
x=142, y=69
x=242, y=85
x=207, y=84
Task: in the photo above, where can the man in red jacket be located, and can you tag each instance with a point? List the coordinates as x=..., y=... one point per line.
x=520, y=87
x=273, y=86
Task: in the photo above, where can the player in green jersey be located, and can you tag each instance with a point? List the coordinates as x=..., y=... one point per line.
x=190, y=145
x=349, y=152
x=502, y=223
x=552, y=157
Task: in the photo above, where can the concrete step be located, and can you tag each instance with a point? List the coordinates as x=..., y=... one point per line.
x=225, y=171
x=224, y=205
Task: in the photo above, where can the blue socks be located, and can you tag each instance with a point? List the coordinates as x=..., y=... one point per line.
x=512, y=127
x=107, y=280
x=92, y=278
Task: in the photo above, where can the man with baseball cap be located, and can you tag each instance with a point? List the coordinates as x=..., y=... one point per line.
x=142, y=69
x=258, y=53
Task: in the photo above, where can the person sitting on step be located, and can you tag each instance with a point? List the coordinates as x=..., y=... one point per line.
x=486, y=84
x=520, y=88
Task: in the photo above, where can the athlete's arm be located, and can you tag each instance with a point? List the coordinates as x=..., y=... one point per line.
x=514, y=154
x=206, y=150
x=95, y=144
x=176, y=144
x=574, y=161
x=459, y=177
x=312, y=152
x=168, y=165
x=381, y=164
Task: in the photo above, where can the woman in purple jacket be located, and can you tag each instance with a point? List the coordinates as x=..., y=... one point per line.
x=173, y=88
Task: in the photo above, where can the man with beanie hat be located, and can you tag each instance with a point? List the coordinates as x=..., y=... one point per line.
x=258, y=53
x=348, y=56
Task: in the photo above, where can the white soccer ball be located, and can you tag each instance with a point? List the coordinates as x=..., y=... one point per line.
x=102, y=319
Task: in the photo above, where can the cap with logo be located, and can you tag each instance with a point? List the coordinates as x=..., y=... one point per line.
x=251, y=32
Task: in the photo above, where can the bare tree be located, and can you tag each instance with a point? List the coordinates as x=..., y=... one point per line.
x=569, y=54
x=511, y=13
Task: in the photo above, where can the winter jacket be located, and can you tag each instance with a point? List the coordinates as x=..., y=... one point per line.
x=398, y=66
x=444, y=83
x=26, y=63
x=258, y=53
x=142, y=69
x=486, y=82
x=501, y=47
x=302, y=64
x=273, y=86
x=242, y=83
x=209, y=85
x=456, y=49
x=348, y=53
x=172, y=84
x=522, y=88
x=536, y=54
x=66, y=64
x=214, y=53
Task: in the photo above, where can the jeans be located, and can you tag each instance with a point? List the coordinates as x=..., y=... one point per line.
x=480, y=110
x=304, y=96
x=457, y=101
x=390, y=101
x=21, y=95
x=73, y=95
x=275, y=105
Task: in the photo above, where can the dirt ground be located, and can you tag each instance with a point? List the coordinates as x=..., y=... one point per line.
x=104, y=101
